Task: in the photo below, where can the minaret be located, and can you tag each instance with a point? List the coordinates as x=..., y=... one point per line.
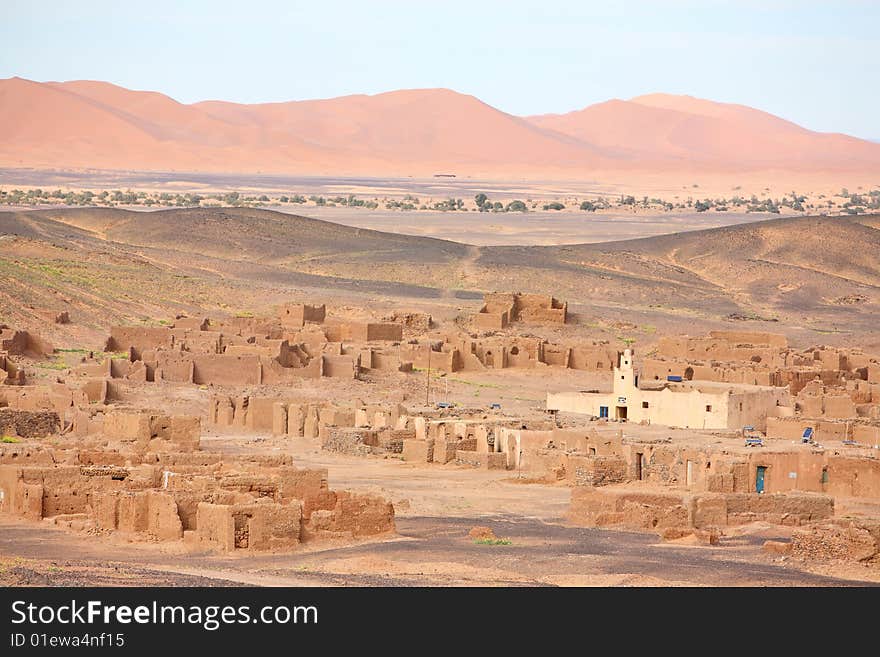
x=624, y=376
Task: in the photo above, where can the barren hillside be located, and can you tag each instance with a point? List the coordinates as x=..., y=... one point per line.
x=816, y=274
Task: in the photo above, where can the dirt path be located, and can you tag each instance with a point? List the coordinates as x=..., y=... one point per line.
x=466, y=271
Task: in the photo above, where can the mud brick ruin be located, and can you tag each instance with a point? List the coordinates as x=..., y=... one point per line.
x=144, y=474
x=501, y=309
x=706, y=433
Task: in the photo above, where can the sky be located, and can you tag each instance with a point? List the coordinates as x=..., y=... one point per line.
x=815, y=63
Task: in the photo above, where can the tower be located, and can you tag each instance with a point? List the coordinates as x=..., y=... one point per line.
x=624, y=374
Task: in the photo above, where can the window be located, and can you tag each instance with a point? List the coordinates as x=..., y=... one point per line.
x=603, y=411
x=514, y=351
x=644, y=404
x=621, y=377
x=708, y=408
x=592, y=453
x=824, y=475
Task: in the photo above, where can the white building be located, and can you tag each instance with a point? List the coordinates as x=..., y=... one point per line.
x=692, y=405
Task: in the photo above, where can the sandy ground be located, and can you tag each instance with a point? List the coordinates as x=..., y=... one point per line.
x=436, y=509
x=531, y=228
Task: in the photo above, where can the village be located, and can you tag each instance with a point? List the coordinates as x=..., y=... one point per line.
x=687, y=440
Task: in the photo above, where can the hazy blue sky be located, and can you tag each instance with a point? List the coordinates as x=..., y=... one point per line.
x=816, y=63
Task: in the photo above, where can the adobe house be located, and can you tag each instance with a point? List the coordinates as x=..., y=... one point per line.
x=23, y=343
x=500, y=309
x=296, y=315
x=703, y=405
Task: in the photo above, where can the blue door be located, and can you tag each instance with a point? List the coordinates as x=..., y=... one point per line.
x=603, y=411
x=759, y=479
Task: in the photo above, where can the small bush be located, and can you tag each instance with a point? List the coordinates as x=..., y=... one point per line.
x=492, y=541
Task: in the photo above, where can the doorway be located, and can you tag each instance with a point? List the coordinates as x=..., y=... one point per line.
x=640, y=466
x=760, y=475
x=620, y=412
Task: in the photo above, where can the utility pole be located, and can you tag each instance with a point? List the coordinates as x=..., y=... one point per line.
x=428, y=380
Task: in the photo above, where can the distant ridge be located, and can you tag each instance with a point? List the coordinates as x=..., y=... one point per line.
x=421, y=132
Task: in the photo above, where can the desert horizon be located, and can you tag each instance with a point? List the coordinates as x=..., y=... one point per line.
x=649, y=141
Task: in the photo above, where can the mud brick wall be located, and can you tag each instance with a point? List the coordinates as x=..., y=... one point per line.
x=344, y=367
x=467, y=444
x=790, y=508
x=444, y=450
x=123, y=338
x=414, y=321
x=28, y=424
x=489, y=461
x=847, y=540
x=349, y=441
x=392, y=441
x=355, y=514
x=598, y=471
x=600, y=507
x=418, y=451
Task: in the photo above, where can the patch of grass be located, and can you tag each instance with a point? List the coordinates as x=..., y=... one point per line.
x=492, y=541
x=53, y=365
x=245, y=314
x=827, y=331
x=52, y=271
x=9, y=440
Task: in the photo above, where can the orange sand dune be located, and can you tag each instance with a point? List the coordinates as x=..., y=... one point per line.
x=87, y=124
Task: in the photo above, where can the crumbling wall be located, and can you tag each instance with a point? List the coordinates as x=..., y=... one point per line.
x=28, y=424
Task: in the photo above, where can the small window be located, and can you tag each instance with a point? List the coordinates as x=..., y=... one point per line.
x=621, y=377
x=708, y=408
x=644, y=404
x=824, y=475
x=592, y=453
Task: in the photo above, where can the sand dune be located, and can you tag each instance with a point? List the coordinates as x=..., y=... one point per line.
x=86, y=124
